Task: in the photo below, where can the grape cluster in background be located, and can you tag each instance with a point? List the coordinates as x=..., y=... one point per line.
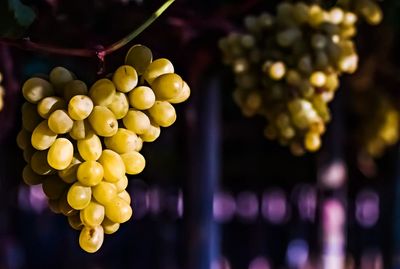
x=287, y=67
x=80, y=143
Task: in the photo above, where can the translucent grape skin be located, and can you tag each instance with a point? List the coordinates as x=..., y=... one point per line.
x=122, y=142
x=60, y=122
x=157, y=68
x=60, y=154
x=104, y=192
x=167, y=86
x=80, y=107
x=109, y=226
x=136, y=121
x=134, y=162
x=79, y=196
x=163, y=113
x=90, y=147
x=142, y=98
x=92, y=215
x=113, y=165
x=118, y=210
x=103, y=121
x=42, y=137
x=90, y=173
x=102, y=92
x=91, y=238
x=125, y=78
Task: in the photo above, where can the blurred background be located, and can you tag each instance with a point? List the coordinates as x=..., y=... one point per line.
x=215, y=192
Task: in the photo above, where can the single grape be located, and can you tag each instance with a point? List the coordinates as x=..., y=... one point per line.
x=53, y=187
x=125, y=78
x=59, y=77
x=119, y=106
x=183, y=96
x=35, y=89
x=125, y=196
x=136, y=121
x=75, y=222
x=90, y=173
x=104, y=192
x=30, y=177
x=90, y=147
x=312, y=141
x=151, y=134
x=113, y=165
x=23, y=139
x=30, y=117
x=139, y=57
x=142, y=98
x=163, y=113
x=64, y=206
x=121, y=184
x=80, y=130
x=93, y=214
x=39, y=163
x=60, y=122
x=91, y=238
x=74, y=87
x=60, y=154
x=103, y=121
x=50, y=104
x=123, y=141
x=102, y=92
x=69, y=174
x=167, y=86
x=134, y=162
x=79, y=196
x=118, y=210
x=157, y=68
x=109, y=226
x=80, y=107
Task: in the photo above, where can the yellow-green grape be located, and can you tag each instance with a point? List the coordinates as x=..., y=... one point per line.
x=167, y=86
x=139, y=57
x=113, y=165
x=35, y=89
x=75, y=222
x=123, y=141
x=80, y=130
x=119, y=106
x=277, y=70
x=54, y=205
x=28, y=153
x=79, y=196
x=60, y=154
x=109, y=226
x=80, y=107
x=183, y=96
x=118, y=210
x=50, y=104
x=53, y=187
x=136, y=121
x=59, y=77
x=125, y=196
x=92, y=215
x=157, y=68
x=91, y=238
x=69, y=174
x=151, y=134
x=30, y=177
x=312, y=141
x=102, y=92
x=64, y=206
x=121, y=184
x=125, y=78
x=142, y=98
x=103, y=121
x=371, y=12
x=90, y=148
x=23, y=139
x=318, y=79
x=134, y=162
x=90, y=173
x=59, y=122
x=30, y=117
x=74, y=87
x=163, y=113
x=139, y=144
x=104, y=192
x=42, y=137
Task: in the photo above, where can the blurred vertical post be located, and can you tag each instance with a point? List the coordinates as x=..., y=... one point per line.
x=204, y=140
x=332, y=174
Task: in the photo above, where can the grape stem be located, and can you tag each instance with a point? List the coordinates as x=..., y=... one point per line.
x=98, y=51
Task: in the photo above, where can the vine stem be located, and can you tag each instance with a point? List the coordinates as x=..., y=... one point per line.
x=98, y=51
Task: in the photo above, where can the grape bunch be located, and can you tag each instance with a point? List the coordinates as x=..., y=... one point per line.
x=2, y=92
x=80, y=143
x=287, y=69
x=369, y=10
